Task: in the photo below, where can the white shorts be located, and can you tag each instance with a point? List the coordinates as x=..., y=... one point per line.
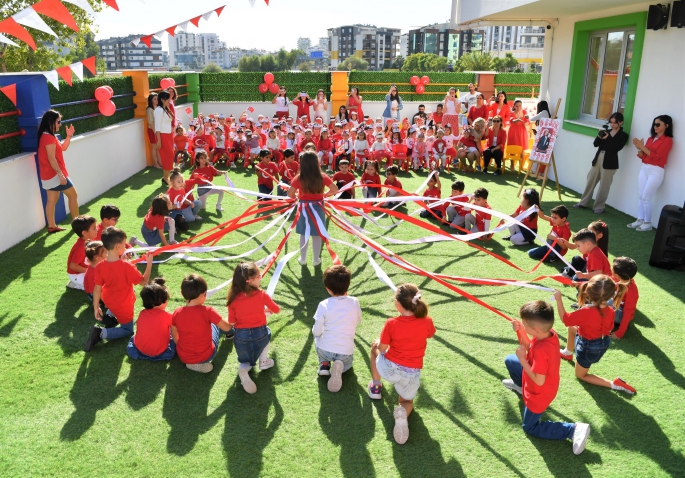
x=406, y=380
x=255, y=150
x=77, y=279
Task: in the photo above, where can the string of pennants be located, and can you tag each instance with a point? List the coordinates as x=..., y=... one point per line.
x=147, y=39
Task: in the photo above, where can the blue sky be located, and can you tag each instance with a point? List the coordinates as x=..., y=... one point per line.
x=272, y=27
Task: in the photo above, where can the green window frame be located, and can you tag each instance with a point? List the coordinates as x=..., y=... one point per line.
x=577, y=71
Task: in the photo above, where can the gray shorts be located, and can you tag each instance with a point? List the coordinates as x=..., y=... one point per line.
x=325, y=356
x=406, y=381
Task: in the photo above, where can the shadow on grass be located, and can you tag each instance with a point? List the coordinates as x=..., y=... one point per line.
x=6, y=328
x=146, y=379
x=70, y=327
x=186, y=400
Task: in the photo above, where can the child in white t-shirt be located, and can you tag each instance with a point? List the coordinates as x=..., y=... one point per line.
x=335, y=325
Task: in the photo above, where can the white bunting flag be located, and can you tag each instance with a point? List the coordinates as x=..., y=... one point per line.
x=29, y=18
x=207, y=15
x=183, y=26
x=159, y=35
x=135, y=41
x=52, y=77
x=4, y=39
x=82, y=4
x=252, y=3
x=77, y=68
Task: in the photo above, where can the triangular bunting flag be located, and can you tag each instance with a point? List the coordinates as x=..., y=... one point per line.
x=147, y=39
x=65, y=73
x=77, y=68
x=195, y=21
x=89, y=63
x=171, y=30
x=159, y=35
x=83, y=4
x=4, y=39
x=219, y=10
x=135, y=41
x=52, y=78
x=267, y=2
x=252, y=3
x=207, y=15
x=112, y=3
x=11, y=27
x=29, y=18
x=55, y=10
x=183, y=26
x=10, y=92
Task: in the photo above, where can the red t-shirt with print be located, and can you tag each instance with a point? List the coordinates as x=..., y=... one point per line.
x=264, y=178
x=531, y=221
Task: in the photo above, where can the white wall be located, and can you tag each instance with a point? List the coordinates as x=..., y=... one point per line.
x=96, y=161
x=660, y=91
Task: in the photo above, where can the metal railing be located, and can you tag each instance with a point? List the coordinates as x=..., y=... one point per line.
x=91, y=100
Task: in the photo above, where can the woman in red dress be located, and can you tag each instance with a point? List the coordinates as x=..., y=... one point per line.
x=500, y=108
x=480, y=110
x=518, y=131
x=164, y=133
x=354, y=103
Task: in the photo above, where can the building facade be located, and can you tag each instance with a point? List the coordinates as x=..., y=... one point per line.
x=439, y=39
x=376, y=45
x=120, y=53
x=191, y=51
x=525, y=43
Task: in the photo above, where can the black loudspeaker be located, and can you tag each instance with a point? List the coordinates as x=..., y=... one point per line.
x=668, y=251
x=657, y=17
x=678, y=14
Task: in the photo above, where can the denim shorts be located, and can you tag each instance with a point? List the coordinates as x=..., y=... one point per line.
x=249, y=343
x=325, y=356
x=151, y=237
x=406, y=380
x=590, y=351
x=136, y=354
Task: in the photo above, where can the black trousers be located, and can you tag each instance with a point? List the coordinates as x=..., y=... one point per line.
x=496, y=153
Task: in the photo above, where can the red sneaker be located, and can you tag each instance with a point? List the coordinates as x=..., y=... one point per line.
x=564, y=356
x=620, y=384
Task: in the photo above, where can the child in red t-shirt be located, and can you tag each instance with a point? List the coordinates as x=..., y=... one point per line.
x=561, y=232
x=624, y=270
x=288, y=169
x=96, y=253
x=268, y=172
x=85, y=227
x=456, y=215
x=432, y=191
x=183, y=205
x=479, y=221
x=324, y=150
x=152, y=340
x=207, y=172
x=579, y=263
x=343, y=177
x=534, y=372
x=155, y=223
x=391, y=180
x=196, y=328
x=521, y=236
x=397, y=355
x=114, y=281
x=248, y=306
x=371, y=176
x=180, y=147
x=109, y=216
x=589, y=328
x=596, y=262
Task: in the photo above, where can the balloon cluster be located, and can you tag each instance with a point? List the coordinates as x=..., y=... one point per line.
x=104, y=95
x=269, y=84
x=419, y=84
x=167, y=83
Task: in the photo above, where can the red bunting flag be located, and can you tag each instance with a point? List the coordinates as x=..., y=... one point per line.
x=10, y=92
x=171, y=30
x=195, y=21
x=147, y=39
x=65, y=74
x=55, y=10
x=112, y=3
x=219, y=10
x=11, y=27
x=267, y=2
x=89, y=63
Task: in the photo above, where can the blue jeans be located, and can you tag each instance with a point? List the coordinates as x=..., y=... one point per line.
x=539, y=252
x=188, y=213
x=325, y=356
x=249, y=343
x=531, y=421
x=425, y=214
x=216, y=336
x=136, y=354
x=124, y=330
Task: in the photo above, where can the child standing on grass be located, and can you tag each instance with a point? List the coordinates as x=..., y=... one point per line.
x=624, y=270
x=152, y=340
x=589, y=328
x=391, y=180
x=205, y=172
x=521, y=236
x=288, y=169
x=114, y=281
x=197, y=328
x=85, y=227
x=534, y=372
x=335, y=325
x=109, y=216
x=397, y=355
x=268, y=171
x=561, y=232
x=248, y=306
x=155, y=223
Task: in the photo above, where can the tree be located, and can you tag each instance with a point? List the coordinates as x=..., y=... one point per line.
x=476, y=61
x=424, y=62
x=212, y=68
x=250, y=64
x=304, y=66
x=44, y=58
x=510, y=62
x=267, y=63
x=399, y=61
x=353, y=63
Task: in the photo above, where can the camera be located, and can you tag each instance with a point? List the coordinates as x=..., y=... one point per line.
x=606, y=127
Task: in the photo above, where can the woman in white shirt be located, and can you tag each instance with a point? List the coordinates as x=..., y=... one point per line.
x=281, y=102
x=451, y=106
x=321, y=106
x=164, y=134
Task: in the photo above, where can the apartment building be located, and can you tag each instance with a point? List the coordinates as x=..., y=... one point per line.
x=120, y=53
x=377, y=45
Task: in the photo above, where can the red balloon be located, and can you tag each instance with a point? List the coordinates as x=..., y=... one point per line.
x=109, y=88
x=268, y=78
x=420, y=89
x=107, y=108
x=173, y=82
x=102, y=93
x=273, y=88
x=263, y=88
x=165, y=83
x=414, y=80
x=425, y=80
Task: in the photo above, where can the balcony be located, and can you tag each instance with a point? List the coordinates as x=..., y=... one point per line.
x=536, y=30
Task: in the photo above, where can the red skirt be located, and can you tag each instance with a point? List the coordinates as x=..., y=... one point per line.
x=151, y=136
x=166, y=152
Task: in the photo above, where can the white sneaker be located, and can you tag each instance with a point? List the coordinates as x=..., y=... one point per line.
x=232, y=165
x=198, y=218
x=509, y=383
x=646, y=226
x=174, y=242
x=317, y=262
x=200, y=367
x=636, y=224
x=401, y=430
x=246, y=381
x=266, y=364
x=335, y=382
x=73, y=285
x=580, y=437
x=219, y=207
x=301, y=262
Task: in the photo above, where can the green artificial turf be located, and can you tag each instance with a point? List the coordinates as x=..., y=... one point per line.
x=64, y=412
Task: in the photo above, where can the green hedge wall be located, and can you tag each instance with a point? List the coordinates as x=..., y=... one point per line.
x=179, y=78
x=504, y=80
x=8, y=124
x=243, y=86
x=85, y=90
x=458, y=80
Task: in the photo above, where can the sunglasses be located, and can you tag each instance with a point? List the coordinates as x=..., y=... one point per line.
x=658, y=125
x=496, y=121
x=59, y=121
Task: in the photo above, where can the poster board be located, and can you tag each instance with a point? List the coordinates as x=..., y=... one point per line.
x=544, y=140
